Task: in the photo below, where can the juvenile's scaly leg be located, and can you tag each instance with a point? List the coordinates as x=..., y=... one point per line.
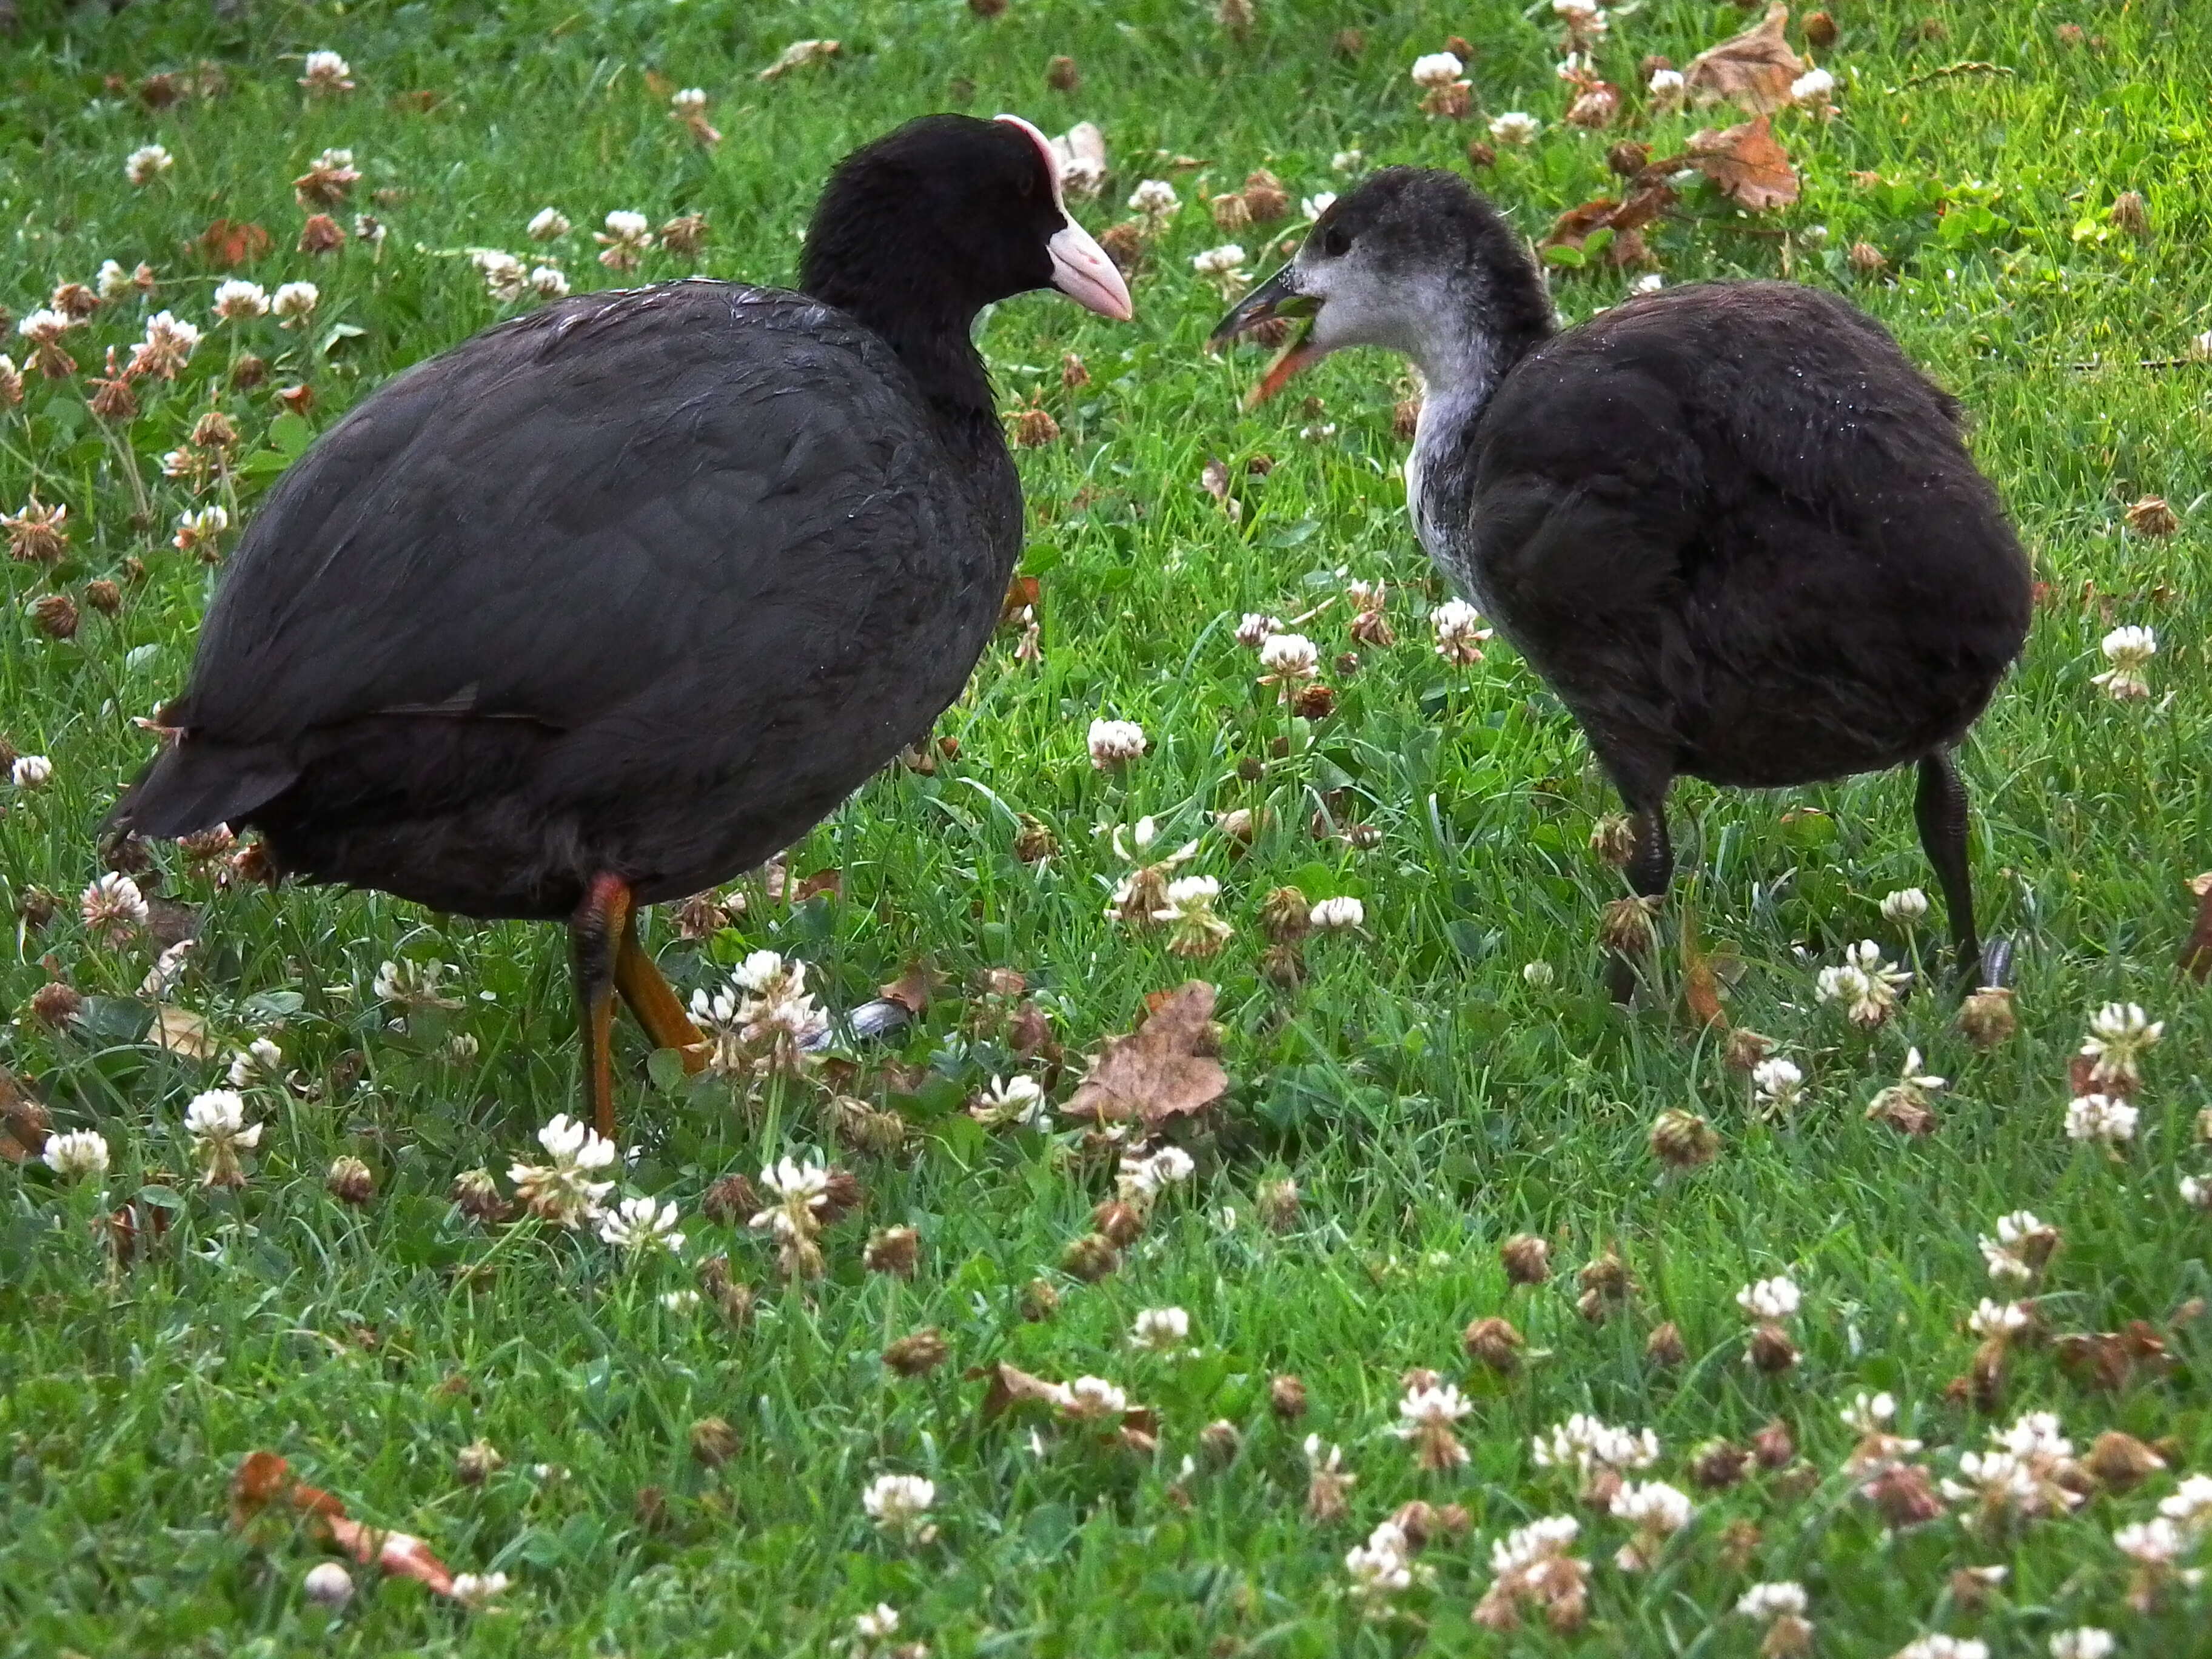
x=1938, y=807
x=654, y=1003
x=596, y=932
x=1650, y=869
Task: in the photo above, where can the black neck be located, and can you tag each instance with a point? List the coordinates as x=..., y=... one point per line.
x=932, y=332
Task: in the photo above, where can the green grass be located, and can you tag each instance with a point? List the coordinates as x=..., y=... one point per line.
x=1427, y=1098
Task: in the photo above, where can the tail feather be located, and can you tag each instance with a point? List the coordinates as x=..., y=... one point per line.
x=194, y=784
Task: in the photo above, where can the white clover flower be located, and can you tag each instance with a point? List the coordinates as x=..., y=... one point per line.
x=237, y=301
x=2118, y=1034
x=1313, y=206
x=1772, y=1298
x=880, y=1626
x=1336, y=915
x=31, y=772
x=76, y=1153
x=1016, y=1100
x=2101, y=1117
x=1224, y=267
x=114, y=907
x=793, y=1182
x=627, y=236
x=681, y=1302
x=1460, y=633
x=1437, y=69
x=293, y=302
x=2190, y=1506
x=1583, y=1443
x=167, y=347
x=1992, y=1318
x=505, y=276
x=113, y=282
x=1116, y=743
x=260, y=1060
x=1289, y=657
x=1156, y=199
x=2083, y=1642
x=1869, y=1413
x=899, y=1503
x=692, y=100
x=548, y=224
x=197, y=529
x=1783, y=1599
x=1350, y=160
x=1257, y=629
x=1778, y=1083
x=1905, y=906
x=216, y=1120
x=1142, y=1179
x=1160, y=1330
x=415, y=985
x=1944, y=1647
x=548, y=283
x=327, y=1585
x=2196, y=1191
x=2130, y=651
x=1649, y=282
x=1866, y=985
x=1380, y=1569
x=1657, y=1511
x=473, y=1590
x=45, y=326
x=1093, y=1399
x=563, y=1191
x=1666, y=87
x=325, y=71
x=638, y=1226
x=1538, y=975
x=2155, y=1543
x=142, y=166
x=1813, y=88
x=1197, y=931
x=1516, y=127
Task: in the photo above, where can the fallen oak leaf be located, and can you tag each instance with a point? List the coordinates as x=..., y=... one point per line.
x=1747, y=163
x=263, y=1481
x=1646, y=200
x=1163, y=1069
x=1752, y=71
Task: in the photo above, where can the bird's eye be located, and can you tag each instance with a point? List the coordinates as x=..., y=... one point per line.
x=1334, y=243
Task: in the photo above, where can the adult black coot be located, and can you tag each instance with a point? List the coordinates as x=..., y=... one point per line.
x=1730, y=524
x=615, y=600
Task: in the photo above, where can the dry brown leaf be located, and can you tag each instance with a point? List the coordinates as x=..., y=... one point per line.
x=1701, y=986
x=1163, y=1069
x=1021, y=594
x=659, y=84
x=182, y=1032
x=831, y=882
x=2196, y=954
x=798, y=55
x=1645, y=201
x=913, y=989
x=1010, y=1388
x=229, y=243
x=1215, y=480
x=264, y=1479
x=25, y=1122
x=1751, y=70
x=1747, y=163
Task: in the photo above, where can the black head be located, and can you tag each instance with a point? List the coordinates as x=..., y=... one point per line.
x=1413, y=260
x=948, y=215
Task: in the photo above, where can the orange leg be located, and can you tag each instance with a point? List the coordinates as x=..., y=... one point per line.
x=596, y=932
x=655, y=1004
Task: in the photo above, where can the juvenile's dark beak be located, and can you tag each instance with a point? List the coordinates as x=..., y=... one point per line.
x=1278, y=296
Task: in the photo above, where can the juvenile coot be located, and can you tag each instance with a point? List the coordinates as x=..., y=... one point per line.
x=1730, y=524
x=615, y=600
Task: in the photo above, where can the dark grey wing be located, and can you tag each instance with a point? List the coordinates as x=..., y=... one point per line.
x=583, y=516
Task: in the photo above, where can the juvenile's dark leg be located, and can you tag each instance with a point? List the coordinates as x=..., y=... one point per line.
x=654, y=1003
x=595, y=937
x=1650, y=870
x=1940, y=809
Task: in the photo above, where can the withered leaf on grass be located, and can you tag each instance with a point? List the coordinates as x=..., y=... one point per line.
x=1021, y=594
x=913, y=989
x=1751, y=70
x=1626, y=219
x=1701, y=986
x=2196, y=953
x=182, y=1032
x=1010, y=1388
x=264, y=1479
x=1747, y=163
x=25, y=1122
x=229, y=243
x=1163, y=1069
